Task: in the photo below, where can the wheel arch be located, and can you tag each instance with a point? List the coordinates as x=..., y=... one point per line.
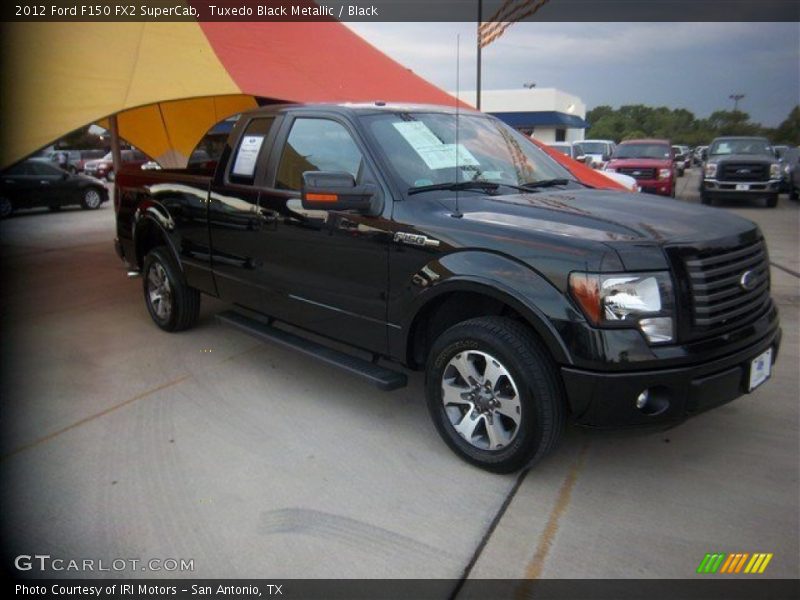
x=153, y=226
x=467, y=297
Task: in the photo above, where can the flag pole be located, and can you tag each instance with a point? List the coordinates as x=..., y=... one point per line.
x=478, y=82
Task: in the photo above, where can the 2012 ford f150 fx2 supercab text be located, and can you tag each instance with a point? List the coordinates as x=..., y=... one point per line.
x=451, y=244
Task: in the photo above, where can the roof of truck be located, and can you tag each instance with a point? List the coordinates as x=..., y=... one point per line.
x=377, y=106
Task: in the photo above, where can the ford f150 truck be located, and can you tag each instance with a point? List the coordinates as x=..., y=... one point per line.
x=741, y=168
x=450, y=243
x=649, y=162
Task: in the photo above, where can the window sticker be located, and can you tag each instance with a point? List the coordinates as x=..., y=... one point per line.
x=430, y=148
x=245, y=164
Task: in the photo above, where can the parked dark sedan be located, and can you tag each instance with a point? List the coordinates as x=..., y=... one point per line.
x=33, y=183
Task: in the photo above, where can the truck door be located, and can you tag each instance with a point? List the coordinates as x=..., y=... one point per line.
x=238, y=228
x=328, y=269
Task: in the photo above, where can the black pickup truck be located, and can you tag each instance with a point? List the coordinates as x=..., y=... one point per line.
x=741, y=168
x=450, y=243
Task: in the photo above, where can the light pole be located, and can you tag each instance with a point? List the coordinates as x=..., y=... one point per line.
x=736, y=98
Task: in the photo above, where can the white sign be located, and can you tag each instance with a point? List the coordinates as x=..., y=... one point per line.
x=430, y=148
x=245, y=164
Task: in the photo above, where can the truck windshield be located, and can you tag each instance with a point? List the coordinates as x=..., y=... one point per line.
x=421, y=148
x=594, y=147
x=740, y=146
x=657, y=151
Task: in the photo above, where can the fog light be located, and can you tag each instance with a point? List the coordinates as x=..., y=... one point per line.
x=653, y=401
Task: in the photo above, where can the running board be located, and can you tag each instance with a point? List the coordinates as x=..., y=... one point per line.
x=383, y=378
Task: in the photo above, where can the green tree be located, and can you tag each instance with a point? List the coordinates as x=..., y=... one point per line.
x=788, y=132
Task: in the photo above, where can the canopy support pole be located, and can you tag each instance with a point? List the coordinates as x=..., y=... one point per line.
x=478, y=77
x=116, y=154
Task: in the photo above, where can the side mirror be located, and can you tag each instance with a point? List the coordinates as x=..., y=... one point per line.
x=328, y=190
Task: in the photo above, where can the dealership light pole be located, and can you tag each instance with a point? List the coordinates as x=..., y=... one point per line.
x=736, y=98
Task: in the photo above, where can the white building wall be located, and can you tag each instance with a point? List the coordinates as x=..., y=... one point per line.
x=546, y=135
x=533, y=100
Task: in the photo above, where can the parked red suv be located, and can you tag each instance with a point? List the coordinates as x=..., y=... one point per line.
x=650, y=162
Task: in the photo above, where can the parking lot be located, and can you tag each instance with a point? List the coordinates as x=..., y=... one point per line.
x=121, y=441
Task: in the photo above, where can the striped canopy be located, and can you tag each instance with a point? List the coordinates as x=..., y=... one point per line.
x=169, y=82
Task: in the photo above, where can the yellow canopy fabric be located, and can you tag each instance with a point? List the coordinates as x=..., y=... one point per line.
x=169, y=82
x=61, y=76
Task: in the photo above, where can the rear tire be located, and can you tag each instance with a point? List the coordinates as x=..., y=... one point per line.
x=6, y=208
x=794, y=194
x=172, y=304
x=494, y=394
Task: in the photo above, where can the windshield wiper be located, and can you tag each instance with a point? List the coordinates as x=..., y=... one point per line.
x=547, y=183
x=472, y=185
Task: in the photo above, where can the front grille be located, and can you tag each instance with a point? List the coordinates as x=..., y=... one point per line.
x=638, y=173
x=719, y=300
x=743, y=172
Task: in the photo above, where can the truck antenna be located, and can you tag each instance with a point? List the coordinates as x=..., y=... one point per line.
x=457, y=214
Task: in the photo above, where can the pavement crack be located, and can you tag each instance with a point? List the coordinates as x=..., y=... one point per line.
x=488, y=534
x=785, y=269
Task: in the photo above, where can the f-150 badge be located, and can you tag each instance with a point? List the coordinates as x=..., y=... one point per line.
x=415, y=239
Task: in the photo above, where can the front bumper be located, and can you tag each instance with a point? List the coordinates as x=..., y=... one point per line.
x=662, y=187
x=608, y=400
x=732, y=190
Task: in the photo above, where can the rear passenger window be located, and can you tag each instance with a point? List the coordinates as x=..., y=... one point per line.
x=251, y=145
x=317, y=145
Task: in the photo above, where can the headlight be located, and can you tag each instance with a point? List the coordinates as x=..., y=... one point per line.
x=664, y=173
x=711, y=170
x=642, y=300
x=774, y=171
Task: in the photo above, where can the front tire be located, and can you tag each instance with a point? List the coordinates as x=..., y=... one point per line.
x=494, y=394
x=172, y=304
x=772, y=201
x=706, y=199
x=91, y=199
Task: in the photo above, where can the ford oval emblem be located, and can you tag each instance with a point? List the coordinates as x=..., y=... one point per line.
x=748, y=280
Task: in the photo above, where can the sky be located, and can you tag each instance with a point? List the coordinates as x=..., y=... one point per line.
x=680, y=65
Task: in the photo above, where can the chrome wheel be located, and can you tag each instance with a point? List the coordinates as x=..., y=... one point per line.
x=481, y=400
x=6, y=208
x=159, y=292
x=91, y=198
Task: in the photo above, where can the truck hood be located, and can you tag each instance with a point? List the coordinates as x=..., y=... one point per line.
x=604, y=216
x=748, y=158
x=645, y=163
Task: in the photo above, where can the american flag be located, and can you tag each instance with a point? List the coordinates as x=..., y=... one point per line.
x=509, y=13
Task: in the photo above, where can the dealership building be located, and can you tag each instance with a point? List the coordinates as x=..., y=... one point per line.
x=547, y=114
